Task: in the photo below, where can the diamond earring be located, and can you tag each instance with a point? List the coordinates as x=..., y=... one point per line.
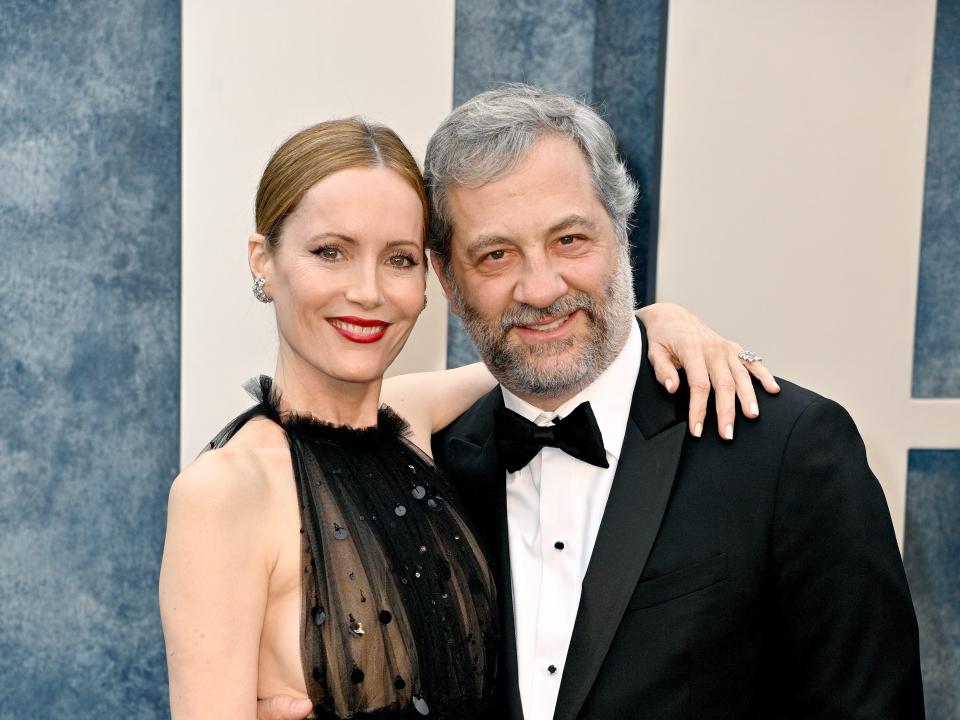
x=258, y=292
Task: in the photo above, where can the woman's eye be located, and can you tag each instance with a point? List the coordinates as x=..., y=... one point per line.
x=328, y=253
x=401, y=261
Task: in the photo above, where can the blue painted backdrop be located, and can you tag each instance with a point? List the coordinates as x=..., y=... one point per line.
x=932, y=559
x=936, y=366
x=931, y=544
x=606, y=52
x=89, y=352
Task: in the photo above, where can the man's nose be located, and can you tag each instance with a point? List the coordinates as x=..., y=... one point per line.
x=539, y=284
x=364, y=288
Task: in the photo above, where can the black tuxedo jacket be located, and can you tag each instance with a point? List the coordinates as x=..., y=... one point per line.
x=754, y=579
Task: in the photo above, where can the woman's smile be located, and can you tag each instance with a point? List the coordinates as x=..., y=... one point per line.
x=359, y=330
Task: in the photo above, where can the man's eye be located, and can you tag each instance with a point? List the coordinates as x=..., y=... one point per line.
x=497, y=255
x=567, y=240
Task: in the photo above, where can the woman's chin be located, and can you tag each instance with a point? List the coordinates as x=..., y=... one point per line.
x=360, y=374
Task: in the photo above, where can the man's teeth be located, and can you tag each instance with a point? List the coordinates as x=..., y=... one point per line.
x=550, y=325
x=359, y=329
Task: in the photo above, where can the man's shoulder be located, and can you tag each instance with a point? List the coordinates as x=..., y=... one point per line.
x=792, y=423
x=795, y=402
x=476, y=424
x=789, y=403
x=779, y=414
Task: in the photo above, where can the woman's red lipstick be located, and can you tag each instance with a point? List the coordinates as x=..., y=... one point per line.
x=359, y=330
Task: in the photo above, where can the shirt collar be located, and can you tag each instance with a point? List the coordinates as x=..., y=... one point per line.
x=610, y=395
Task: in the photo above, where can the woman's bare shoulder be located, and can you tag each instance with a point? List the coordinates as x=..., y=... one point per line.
x=248, y=468
x=259, y=433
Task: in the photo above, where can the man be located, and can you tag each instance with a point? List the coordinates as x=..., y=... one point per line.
x=643, y=573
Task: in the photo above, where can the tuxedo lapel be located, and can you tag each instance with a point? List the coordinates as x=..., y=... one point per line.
x=641, y=487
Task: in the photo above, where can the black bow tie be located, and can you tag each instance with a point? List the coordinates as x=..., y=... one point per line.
x=519, y=440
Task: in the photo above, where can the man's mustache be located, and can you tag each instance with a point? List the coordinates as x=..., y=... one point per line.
x=522, y=314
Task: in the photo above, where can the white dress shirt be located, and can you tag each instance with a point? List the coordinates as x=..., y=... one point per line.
x=554, y=508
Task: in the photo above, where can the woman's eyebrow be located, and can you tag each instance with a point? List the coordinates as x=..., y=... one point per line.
x=334, y=235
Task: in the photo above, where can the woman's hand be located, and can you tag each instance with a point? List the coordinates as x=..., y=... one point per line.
x=678, y=339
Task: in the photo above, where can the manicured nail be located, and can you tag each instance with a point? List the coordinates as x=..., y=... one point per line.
x=777, y=386
x=728, y=432
x=698, y=430
x=669, y=384
x=754, y=409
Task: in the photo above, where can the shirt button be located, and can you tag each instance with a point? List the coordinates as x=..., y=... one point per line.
x=552, y=669
x=559, y=546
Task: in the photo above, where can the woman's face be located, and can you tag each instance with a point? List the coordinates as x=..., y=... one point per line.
x=348, y=276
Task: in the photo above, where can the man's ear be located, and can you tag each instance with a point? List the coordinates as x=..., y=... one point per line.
x=258, y=256
x=438, y=268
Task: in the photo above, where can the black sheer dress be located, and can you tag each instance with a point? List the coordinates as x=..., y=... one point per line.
x=399, y=614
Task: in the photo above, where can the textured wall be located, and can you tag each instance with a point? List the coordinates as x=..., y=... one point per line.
x=627, y=83
x=936, y=369
x=606, y=52
x=932, y=547
x=89, y=227
x=932, y=559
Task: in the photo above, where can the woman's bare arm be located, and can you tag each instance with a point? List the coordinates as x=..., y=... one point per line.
x=213, y=587
x=430, y=401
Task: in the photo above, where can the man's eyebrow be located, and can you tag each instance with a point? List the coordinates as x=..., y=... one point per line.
x=570, y=221
x=482, y=242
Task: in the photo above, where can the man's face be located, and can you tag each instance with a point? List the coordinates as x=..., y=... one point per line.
x=538, y=278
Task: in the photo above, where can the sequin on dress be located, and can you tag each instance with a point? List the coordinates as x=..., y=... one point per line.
x=399, y=614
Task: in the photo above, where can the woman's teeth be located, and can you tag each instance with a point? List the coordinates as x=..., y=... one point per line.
x=359, y=329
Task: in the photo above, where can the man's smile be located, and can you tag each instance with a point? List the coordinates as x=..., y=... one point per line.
x=548, y=330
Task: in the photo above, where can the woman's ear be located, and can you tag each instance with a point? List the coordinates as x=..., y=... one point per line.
x=258, y=256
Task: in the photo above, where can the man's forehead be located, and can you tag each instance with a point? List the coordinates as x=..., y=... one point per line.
x=551, y=159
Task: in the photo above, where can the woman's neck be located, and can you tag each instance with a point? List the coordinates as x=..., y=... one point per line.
x=304, y=389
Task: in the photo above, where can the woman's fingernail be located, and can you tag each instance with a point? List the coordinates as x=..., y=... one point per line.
x=776, y=385
x=754, y=409
x=698, y=430
x=669, y=384
x=728, y=432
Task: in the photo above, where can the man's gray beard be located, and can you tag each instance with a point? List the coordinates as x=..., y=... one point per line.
x=608, y=325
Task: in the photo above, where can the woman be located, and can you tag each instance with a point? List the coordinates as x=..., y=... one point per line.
x=315, y=551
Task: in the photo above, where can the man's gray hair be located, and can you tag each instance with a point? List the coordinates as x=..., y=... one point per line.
x=487, y=137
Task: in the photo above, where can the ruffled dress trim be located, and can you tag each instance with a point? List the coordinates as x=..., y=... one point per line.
x=390, y=426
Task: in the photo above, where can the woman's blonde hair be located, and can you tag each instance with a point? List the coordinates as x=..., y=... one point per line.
x=321, y=150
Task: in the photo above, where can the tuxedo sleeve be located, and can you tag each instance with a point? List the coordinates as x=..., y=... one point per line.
x=846, y=627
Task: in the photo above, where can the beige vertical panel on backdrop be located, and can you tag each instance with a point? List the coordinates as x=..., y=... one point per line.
x=254, y=73
x=792, y=188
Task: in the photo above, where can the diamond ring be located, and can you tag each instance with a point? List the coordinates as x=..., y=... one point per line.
x=749, y=357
